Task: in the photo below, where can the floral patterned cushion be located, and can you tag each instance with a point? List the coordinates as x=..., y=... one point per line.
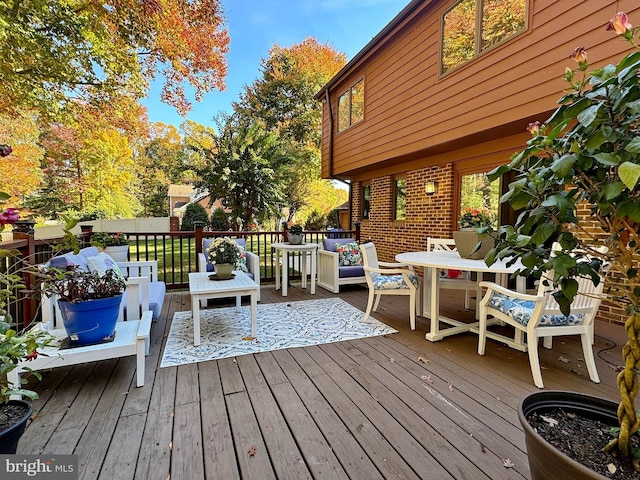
x=349, y=254
x=520, y=311
x=394, y=282
x=241, y=264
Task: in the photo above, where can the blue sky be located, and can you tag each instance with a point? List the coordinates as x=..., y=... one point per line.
x=256, y=25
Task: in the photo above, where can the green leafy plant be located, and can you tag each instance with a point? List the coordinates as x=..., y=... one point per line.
x=586, y=155
x=75, y=285
x=223, y=250
x=295, y=229
x=14, y=346
x=105, y=239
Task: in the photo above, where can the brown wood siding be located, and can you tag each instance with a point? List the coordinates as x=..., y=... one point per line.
x=411, y=112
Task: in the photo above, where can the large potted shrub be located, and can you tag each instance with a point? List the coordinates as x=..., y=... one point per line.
x=585, y=156
x=89, y=302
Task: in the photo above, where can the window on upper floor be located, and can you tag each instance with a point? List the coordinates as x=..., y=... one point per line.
x=470, y=27
x=351, y=106
x=366, y=201
x=400, y=199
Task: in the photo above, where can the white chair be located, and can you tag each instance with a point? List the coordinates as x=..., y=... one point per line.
x=464, y=281
x=539, y=316
x=385, y=278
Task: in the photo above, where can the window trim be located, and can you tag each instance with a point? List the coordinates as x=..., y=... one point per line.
x=349, y=91
x=478, y=51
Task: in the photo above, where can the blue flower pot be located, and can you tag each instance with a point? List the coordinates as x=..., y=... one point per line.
x=91, y=321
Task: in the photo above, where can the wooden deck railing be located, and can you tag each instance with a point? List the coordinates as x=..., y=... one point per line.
x=176, y=254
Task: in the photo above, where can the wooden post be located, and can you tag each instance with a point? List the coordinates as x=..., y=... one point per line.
x=285, y=230
x=357, y=225
x=26, y=232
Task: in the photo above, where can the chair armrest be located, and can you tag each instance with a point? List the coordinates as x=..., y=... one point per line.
x=395, y=265
x=494, y=287
x=388, y=271
x=253, y=265
x=202, y=262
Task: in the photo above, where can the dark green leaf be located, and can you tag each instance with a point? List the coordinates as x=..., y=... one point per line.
x=588, y=115
x=633, y=146
x=610, y=159
x=562, y=166
x=543, y=232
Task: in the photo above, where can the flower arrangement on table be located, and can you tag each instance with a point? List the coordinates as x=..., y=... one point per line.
x=475, y=218
x=224, y=250
x=105, y=239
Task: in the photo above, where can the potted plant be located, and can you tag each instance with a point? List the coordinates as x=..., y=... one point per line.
x=585, y=156
x=470, y=243
x=14, y=347
x=89, y=302
x=294, y=234
x=116, y=245
x=223, y=253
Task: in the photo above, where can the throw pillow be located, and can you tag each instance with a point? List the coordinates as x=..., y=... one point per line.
x=349, y=254
x=241, y=264
x=103, y=262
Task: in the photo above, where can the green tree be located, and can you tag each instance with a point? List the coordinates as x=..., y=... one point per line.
x=194, y=213
x=219, y=220
x=243, y=170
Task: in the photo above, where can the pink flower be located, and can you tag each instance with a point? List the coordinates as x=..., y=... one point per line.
x=9, y=216
x=579, y=55
x=534, y=128
x=5, y=150
x=619, y=23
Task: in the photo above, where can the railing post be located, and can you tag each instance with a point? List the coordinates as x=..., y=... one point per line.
x=198, y=237
x=25, y=231
x=285, y=230
x=357, y=225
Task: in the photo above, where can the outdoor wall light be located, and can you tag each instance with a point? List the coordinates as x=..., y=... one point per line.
x=430, y=187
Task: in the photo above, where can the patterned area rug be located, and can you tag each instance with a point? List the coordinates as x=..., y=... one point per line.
x=224, y=332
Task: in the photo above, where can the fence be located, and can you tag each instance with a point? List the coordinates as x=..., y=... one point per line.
x=175, y=252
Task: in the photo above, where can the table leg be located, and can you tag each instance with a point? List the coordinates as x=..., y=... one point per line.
x=434, y=306
x=285, y=272
x=254, y=314
x=426, y=293
x=278, y=253
x=303, y=267
x=314, y=268
x=195, y=312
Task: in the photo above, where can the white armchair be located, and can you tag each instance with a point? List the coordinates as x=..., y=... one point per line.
x=539, y=316
x=384, y=278
x=332, y=275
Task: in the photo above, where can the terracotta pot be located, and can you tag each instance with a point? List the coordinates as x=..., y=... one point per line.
x=9, y=437
x=545, y=461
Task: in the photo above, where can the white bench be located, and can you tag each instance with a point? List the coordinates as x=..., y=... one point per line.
x=132, y=338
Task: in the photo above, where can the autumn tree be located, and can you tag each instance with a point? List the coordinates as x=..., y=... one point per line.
x=20, y=172
x=283, y=98
x=55, y=53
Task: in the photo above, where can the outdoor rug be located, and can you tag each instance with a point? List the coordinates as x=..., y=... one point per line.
x=224, y=332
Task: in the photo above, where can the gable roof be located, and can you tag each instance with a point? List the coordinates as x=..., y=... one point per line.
x=373, y=44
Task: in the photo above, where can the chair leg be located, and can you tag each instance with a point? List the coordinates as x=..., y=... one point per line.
x=482, y=333
x=587, y=352
x=412, y=310
x=467, y=299
x=377, y=304
x=534, y=360
x=369, y=305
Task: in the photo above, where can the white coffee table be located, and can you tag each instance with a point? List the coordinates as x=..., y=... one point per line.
x=201, y=288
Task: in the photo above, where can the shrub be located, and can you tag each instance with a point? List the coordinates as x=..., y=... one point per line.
x=194, y=213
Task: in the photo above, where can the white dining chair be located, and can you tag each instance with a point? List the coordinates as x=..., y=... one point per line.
x=539, y=315
x=462, y=282
x=384, y=278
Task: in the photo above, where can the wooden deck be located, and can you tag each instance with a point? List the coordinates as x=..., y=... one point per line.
x=396, y=406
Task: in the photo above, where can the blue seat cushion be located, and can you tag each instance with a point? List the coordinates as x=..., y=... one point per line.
x=349, y=271
x=521, y=310
x=157, y=291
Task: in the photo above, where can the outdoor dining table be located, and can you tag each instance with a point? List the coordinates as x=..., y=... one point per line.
x=437, y=260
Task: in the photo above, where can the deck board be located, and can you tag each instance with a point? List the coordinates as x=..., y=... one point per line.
x=393, y=406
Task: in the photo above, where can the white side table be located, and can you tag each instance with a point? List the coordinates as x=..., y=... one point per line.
x=284, y=249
